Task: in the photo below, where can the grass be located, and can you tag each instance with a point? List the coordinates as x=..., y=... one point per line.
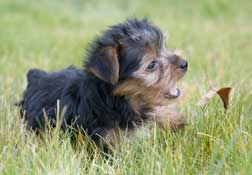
x=215, y=35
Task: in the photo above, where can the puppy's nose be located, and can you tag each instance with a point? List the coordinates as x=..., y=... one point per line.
x=178, y=61
x=183, y=64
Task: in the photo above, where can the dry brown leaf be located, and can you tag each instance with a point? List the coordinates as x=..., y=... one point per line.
x=207, y=97
x=224, y=94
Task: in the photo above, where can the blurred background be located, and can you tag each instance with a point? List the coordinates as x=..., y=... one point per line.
x=215, y=35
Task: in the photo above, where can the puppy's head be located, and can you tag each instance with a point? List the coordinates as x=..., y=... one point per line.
x=133, y=57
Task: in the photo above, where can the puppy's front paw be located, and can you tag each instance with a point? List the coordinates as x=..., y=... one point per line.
x=178, y=122
x=169, y=117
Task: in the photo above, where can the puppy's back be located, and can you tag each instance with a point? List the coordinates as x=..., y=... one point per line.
x=42, y=92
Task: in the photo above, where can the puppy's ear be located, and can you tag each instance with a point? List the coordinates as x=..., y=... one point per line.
x=104, y=64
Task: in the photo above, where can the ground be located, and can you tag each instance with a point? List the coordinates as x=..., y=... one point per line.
x=215, y=36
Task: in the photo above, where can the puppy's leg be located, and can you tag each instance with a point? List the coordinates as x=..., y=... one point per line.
x=169, y=117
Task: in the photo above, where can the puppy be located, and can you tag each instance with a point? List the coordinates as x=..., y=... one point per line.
x=129, y=79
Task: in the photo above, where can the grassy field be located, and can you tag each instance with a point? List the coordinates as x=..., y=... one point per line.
x=216, y=37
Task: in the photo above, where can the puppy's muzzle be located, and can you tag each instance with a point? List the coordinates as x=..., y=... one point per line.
x=180, y=66
x=179, y=62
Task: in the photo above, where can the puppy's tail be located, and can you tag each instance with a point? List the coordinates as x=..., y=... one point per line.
x=34, y=75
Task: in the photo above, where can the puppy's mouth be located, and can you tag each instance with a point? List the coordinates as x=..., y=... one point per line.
x=172, y=93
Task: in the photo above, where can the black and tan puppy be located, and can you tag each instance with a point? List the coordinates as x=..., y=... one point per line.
x=129, y=79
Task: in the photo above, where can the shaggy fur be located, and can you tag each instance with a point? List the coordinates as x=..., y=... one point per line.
x=129, y=79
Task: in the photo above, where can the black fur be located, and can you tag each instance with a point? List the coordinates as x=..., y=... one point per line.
x=88, y=99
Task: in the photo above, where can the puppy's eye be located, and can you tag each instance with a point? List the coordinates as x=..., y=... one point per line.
x=153, y=65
